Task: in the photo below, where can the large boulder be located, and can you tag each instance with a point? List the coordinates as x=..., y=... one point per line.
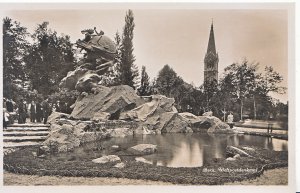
x=57, y=115
x=196, y=123
x=61, y=138
x=110, y=101
x=65, y=135
x=143, y=149
x=157, y=105
x=171, y=122
x=209, y=123
x=157, y=116
x=217, y=126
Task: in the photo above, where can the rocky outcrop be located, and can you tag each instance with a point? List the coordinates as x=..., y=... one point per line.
x=143, y=149
x=157, y=105
x=56, y=115
x=65, y=135
x=217, y=126
x=120, y=132
x=106, y=159
x=210, y=123
x=106, y=102
x=157, y=116
x=61, y=138
x=160, y=116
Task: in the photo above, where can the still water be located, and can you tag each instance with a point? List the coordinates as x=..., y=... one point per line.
x=175, y=149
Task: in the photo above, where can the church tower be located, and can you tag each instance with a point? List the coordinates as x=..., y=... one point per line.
x=211, y=59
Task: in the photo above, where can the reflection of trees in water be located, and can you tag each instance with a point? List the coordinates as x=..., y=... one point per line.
x=269, y=143
x=214, y=147
x=175, y=149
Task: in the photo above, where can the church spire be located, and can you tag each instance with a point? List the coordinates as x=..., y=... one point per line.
x=211, y=59
x=211, y=42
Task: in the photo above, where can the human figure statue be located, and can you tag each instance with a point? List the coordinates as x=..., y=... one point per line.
x=230, y=120
x=87, y=33
x=46, y=110
x=32, y=109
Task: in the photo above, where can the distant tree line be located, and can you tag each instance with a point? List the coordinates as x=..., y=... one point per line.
x=242, y=90
x=34, y=64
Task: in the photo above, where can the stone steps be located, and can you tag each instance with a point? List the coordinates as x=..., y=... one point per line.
x=28, y=133
x=25, y=129
x=20, y=144
x=23, y=138
x=22, y=135
x=29, y=125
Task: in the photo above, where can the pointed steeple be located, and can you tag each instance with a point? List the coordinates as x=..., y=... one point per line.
x=211, y=59
x=211, y=42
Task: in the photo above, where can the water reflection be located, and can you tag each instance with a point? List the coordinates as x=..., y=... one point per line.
x=176, y=150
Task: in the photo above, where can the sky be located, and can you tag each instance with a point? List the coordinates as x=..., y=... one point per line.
x=179, y=37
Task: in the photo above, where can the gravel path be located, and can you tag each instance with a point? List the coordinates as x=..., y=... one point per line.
x=33, y=180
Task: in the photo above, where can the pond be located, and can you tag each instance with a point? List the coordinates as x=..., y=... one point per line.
x=174, y=149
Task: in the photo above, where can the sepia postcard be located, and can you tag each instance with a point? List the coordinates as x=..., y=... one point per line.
x=124, y=97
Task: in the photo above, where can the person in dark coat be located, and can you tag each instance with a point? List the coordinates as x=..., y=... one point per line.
x=32, y=111
x=39, y=112
x=46, y=110
x=9, y=105
x=21, y=112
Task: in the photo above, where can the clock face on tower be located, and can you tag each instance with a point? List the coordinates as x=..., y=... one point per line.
x=210, y=63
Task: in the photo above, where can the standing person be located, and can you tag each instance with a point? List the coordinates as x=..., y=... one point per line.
x=32, y=109
x=21, y=112
x=9, y=105
x=230, y=120
x=46, y=110
x=270, y=123
x=5, y=118
x=38, y=111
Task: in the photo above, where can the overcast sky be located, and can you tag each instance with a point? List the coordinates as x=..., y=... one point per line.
x=179, y=37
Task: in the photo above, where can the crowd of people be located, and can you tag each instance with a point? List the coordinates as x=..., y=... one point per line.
x=37, y=110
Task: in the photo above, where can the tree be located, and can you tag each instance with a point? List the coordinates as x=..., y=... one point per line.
x=270, y=81
x=128, y=70
x=50, y=58
x=243, y=81
x=145, y=88
x=15, y=47
x=166, y=80
x=210, y=89
x=115, y=74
